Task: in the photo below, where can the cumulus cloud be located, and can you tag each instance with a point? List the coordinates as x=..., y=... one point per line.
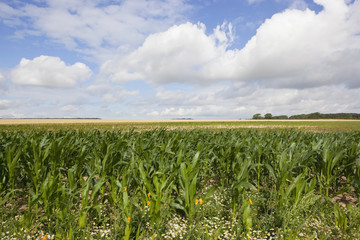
x=299, y=61
x=175, y=55
x=301, y=48
x=295, y=48
x=49, y=71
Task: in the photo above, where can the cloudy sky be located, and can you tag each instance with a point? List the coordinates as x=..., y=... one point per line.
x=161, y=59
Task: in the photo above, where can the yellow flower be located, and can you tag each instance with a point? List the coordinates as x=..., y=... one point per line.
x=200, y=201
x=196, y=201
x=149, y=194
x=250, y=201
x=148, y=203
x=128, y=219
x=125, y=189
x=45, y=237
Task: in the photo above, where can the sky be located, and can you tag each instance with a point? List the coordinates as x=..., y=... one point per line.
x=165, y=59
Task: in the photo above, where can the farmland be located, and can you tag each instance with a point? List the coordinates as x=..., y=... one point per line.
x=111, y=125
x=180, y=180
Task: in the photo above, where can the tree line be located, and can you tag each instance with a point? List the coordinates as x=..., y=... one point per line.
x=315, y=115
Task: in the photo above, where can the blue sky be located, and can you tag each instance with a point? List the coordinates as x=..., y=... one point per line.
x=162, y=59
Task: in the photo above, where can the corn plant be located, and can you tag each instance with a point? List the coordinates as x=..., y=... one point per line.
x=241, y=170
x=66, y=182
x=188, y=179
x=12, y=163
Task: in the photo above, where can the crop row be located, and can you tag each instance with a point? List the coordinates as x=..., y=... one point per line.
x=66, y=182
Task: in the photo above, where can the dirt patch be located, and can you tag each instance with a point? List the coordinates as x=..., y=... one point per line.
x=345, y=199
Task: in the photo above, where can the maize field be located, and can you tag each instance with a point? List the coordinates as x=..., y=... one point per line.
x=179, y=184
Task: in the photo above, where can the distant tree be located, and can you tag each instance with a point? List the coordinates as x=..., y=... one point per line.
x=317, y=115
x=300, y=116
x=268, y=116
x=280, y=117
x=257, y=116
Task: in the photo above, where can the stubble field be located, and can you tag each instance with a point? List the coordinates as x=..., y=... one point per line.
x=124, y=124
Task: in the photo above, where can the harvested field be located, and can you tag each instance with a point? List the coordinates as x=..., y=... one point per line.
x=17, y=121
x=125, y=124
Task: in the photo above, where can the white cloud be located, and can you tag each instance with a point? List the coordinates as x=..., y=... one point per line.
x=69, y=108
x=303, y=49
x=175, y=55
x=222, y=100
x=3, y=85
x=5, y=104
x=299, y=4
x=49, y=71
x=110, y=94
x=299, y=61
x=91, y=26
x=232, y=101
x=8, y=15
x=294, y=48
x=254, y=1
